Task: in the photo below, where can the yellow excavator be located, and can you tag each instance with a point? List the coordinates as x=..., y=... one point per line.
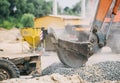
x=75, y=53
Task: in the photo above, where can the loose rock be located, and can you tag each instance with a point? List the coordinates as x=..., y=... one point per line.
x=109, y=70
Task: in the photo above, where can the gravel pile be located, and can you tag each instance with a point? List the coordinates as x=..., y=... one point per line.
x=109, y=70
x=50, y=69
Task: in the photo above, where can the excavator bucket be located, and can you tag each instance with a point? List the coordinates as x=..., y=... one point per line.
x=71, y=53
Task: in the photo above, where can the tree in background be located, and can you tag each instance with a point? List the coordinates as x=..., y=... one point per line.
x=68, y=11
x=13, y=4
x=36, y=7
x=42, y=7
x=27, y=20
x=4, y=8
x=11, y=11
x=30, y=8
x=47, y=7
x=75, y=10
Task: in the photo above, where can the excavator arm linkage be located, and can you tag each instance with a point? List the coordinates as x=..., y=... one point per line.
x=102, y=10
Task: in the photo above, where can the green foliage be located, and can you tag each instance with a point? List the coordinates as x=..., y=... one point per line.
x=27, y=20
x=10, y=22
x=68, y=11
x=4, y=8
x=75, y=10
x=19, y=25
x=36, y=7
x=13, y=3
x=47, y=8
x=41, y=7
x=7, y=24
x=30, y=8
x=10, y=18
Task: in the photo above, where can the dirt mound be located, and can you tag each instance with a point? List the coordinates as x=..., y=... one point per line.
x=54, y=78
x=9, y=35
x=9, y=43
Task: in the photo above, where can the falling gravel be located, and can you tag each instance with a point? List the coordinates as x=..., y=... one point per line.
x=109, y=70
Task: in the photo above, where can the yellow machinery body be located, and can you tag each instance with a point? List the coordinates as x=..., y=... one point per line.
x=32, y=36
x=59, y=21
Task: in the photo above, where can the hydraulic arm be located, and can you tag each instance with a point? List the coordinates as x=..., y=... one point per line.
x=97, y=38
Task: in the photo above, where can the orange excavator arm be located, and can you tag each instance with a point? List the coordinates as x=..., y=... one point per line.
x=103, y=8
x=96, y=37
x=115, y=9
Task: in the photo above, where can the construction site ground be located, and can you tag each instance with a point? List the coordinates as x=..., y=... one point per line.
x=11, y=48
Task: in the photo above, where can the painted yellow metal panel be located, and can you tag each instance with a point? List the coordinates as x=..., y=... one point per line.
x=32, y=36
x=55, y=21
x=49, y=21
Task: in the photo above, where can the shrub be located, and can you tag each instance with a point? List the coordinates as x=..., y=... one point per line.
x=11, y=19
x=7, y=25
x=27, y=20
x=18, y=25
